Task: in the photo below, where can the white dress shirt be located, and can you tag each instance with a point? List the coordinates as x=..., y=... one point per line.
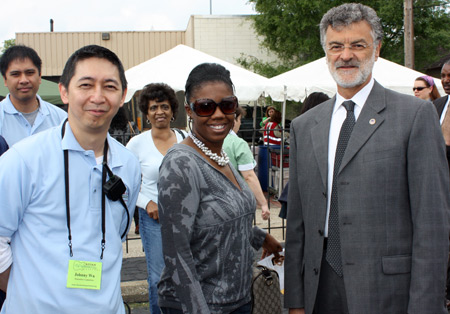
x=337, y=119
x=444, y=111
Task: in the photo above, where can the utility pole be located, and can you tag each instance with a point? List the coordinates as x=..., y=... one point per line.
x=210, y=7
x=409, y=33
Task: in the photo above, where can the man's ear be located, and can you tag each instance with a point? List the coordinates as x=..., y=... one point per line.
x=377, y=52
x=64, y=93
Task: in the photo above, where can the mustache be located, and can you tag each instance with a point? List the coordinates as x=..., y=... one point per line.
x=352, y=63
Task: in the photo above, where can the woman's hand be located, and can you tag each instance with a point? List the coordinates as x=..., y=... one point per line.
x=152, y=210
x=271, y=246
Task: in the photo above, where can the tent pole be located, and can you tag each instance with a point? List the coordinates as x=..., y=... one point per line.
x=283, y=125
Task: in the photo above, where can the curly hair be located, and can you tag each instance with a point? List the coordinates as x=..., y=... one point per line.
x=349, y=13
x=158, y=92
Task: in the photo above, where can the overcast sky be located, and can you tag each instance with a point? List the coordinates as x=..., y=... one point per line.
x=20, y=16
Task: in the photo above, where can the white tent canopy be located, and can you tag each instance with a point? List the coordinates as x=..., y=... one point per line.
x=315, y=77
x=174, y=66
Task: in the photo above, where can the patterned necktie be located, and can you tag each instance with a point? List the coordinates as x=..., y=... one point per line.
x=333, y=254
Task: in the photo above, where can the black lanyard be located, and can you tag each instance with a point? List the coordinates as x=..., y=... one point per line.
x=66, y=177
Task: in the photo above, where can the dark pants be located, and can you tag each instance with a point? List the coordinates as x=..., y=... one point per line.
x=245, y=309
x=331, y=297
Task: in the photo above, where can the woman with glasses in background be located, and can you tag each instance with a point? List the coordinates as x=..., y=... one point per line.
x=425, y=89
x=206, y=209
x=159, y=104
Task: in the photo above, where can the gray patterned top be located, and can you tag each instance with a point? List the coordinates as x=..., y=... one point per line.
x=206, y=226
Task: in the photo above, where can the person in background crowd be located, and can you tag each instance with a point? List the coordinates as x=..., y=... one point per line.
x=272, y=128
x=3, y=145
x=269, y=112
x=368, y=203
x=159, y=104
x=71, y=192
x=242, y=160
x=23, y=112
x=425, y=89
x=3, y=148
x=444, y=119
x=206, y=209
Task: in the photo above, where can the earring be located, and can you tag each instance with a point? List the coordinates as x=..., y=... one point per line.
x=172, y=119
x=148, y=121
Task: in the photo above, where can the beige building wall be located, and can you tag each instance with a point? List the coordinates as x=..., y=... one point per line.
x=227, y=37
x=133, y=48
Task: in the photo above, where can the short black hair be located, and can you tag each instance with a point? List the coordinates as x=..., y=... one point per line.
x=313, y=100
x=206, y=73
x=87, y=52
x=158, y=92
x=20, y=52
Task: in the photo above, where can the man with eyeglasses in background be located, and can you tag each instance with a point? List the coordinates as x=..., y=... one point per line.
x=368, y=197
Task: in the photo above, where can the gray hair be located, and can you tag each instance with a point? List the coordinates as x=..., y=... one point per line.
x=446, y=63
x=350, y=13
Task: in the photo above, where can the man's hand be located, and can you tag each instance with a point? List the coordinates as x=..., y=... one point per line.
x=152, y=210
x=4, y=277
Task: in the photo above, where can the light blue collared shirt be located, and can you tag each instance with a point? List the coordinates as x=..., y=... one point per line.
x=15, y=127
x=33, y=214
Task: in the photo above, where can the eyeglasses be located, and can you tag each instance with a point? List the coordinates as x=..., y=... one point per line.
x=336, y=49
x=206, y=107
x=418, y=88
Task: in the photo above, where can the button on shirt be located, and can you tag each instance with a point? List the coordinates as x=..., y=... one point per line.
x=337, y=118
x=33, y=214
x=15, y=127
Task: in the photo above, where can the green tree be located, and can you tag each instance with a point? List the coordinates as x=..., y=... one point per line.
x=7, y=43
x=290, y=29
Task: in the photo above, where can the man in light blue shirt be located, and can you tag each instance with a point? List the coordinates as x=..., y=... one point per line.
x=66, y=210
x=23, y=112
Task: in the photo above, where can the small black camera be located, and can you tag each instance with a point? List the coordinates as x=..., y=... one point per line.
x=114, y=188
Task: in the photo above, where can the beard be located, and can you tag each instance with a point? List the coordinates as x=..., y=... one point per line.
x=364, y=70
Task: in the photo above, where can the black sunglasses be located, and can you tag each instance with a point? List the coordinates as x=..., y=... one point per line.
x=206, y=107
x=418, y=88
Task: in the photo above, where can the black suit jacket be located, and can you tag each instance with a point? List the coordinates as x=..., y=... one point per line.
x=440, y=104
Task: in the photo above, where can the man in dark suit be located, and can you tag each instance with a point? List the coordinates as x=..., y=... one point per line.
x=369, y=189
x=442, y=105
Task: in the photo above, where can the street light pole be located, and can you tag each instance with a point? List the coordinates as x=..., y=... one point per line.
x=210, y=7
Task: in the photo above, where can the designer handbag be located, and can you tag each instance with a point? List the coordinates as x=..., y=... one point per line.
x=266, y=295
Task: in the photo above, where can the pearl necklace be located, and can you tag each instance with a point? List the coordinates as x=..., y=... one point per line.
x=220, y=160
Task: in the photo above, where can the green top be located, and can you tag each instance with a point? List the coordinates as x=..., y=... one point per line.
x=240, y=155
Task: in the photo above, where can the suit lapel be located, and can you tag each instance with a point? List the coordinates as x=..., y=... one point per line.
x=319, y=136
x=368, y=121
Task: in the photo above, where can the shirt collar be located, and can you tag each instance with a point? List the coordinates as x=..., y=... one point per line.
x=359, y=98
x=9, y=107
x=70, y=143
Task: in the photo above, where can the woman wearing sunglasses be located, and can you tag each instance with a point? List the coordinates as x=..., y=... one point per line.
x=425, y=89
x=206, y=209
